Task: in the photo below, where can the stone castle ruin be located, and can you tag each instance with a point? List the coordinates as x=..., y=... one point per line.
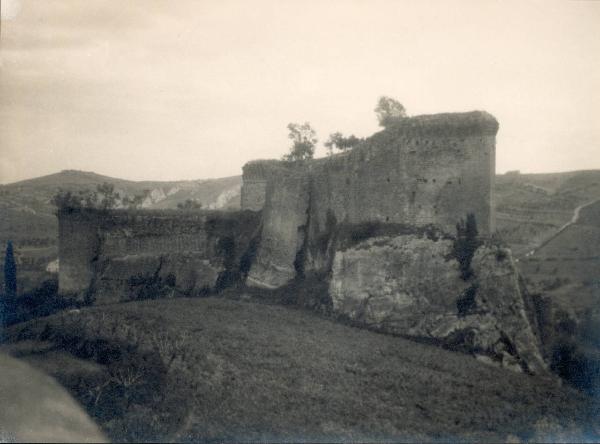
x=367, y=232
x=425, y=170
x=107, y=255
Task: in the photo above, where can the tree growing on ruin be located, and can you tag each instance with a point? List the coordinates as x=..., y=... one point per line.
x=341, y=143
x=103, y=198
x=389, y=110
x=133, y=203
x=10, y=272
x=136, y=201
x=107, y=197
x=466, y=243
x=189, y=204
x=304, y=139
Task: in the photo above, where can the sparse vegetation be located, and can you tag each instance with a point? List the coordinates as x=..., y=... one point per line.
x=466, y=243
x=230, y=274
x=10, y=272
x=151, y=286
x=136, y=201
x=388, y=111
x=304, y=139
x=467, y=302
x=189, y=204
x=339, y=142
x=349, y=235
x=103, y=198
x=40, y=302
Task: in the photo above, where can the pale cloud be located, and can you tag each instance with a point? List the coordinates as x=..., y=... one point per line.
x=9, y=9
x=191, y=89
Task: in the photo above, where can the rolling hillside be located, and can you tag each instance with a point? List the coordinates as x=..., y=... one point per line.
x=552, y=223
x=530, y=208
x=220, y=369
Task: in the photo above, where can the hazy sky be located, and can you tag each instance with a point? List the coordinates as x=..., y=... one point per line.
x=144, y=89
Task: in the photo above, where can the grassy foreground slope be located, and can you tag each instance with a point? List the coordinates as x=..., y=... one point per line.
x=210, y=369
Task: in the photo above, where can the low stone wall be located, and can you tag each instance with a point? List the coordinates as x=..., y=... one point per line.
x=105, y=254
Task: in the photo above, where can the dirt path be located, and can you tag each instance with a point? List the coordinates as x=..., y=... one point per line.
x=573, y=220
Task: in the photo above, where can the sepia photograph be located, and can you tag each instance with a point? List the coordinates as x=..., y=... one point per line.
x=300, y=221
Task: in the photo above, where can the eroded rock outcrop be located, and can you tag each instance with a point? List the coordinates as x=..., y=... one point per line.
x=411, y=285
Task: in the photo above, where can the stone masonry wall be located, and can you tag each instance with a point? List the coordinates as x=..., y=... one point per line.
x=256, y=176
x=420, y=171
x=78, y=245
x=101, y=251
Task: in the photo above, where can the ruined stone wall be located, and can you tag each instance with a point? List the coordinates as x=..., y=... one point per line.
x=420, y=171
x=256, y=175
x=283, y=230
x=78, y=245
x=425, y=170
x=103, y=251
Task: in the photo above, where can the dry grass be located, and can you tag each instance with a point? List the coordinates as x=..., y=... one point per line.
x=243, y=370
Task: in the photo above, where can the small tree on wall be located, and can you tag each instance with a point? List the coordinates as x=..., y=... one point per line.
x=389, y=110
x=10, y=272
x=304, y=139
x=189, y=204
x=341, y=143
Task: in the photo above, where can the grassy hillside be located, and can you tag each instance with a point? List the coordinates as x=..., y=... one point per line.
x=217, y=369
x=531, y=207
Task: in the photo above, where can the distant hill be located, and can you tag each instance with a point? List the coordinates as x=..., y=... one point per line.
x=28, y=214
x=36, y=194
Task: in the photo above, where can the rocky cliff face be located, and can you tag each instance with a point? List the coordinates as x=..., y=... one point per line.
x=411, y=285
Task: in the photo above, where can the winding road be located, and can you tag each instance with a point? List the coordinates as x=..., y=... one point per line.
x=573, y=220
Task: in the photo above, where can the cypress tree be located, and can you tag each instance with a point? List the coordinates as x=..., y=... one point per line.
x=467, y=242
x=10, y=272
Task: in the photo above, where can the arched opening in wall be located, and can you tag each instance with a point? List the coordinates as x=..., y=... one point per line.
x=413, y=196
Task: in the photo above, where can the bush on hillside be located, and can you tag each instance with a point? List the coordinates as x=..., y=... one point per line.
x=42, y=301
